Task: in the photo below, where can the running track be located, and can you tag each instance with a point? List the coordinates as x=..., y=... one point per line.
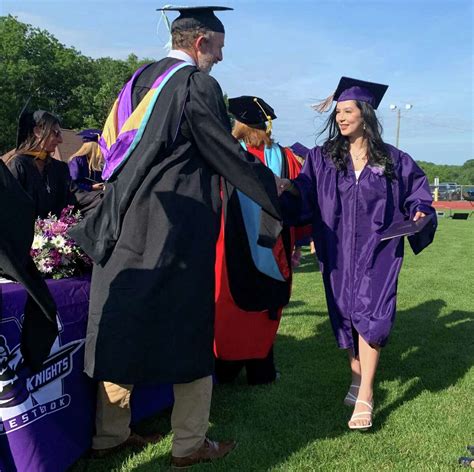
x=455, y=205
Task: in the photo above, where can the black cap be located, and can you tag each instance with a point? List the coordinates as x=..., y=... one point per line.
x=251, y=110
x=25, y=124
x=90, y=135
x=196, y=17
x=27, y=121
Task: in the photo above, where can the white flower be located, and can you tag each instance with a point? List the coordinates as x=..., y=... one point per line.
x=66, y=250
x=39, y=241
x=58, y=241
x=43, y=267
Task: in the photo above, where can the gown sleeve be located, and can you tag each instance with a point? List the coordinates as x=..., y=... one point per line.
x=17, y=170
x=77, y=176
x=299, y=210
x=417, y=197
x=417, y=194
x=209, y=125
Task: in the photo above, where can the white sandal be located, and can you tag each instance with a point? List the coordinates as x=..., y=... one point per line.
x=350, y=399
x=355, y=416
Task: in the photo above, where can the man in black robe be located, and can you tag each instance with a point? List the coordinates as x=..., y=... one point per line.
x=153, y=241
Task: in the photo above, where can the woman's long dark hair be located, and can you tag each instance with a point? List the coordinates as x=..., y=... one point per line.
x=337, y=146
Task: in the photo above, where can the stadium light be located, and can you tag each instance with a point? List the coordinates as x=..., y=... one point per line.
x=408, y=106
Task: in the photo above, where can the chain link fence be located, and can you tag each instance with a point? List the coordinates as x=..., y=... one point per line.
x=452, y=192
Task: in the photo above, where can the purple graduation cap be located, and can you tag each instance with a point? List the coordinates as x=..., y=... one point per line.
x=251, y=110
x=300, y=149
x=90, y=135
x=196, y=17
x=354, y=89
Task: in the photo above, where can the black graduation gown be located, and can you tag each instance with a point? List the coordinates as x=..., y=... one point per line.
x=153, y=237
x=49, y=191
x=17, y=216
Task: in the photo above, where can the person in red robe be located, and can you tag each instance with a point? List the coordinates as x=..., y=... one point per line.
x=253, y=284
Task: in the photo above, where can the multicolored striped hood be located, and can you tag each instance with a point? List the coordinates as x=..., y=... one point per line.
x=124, y=128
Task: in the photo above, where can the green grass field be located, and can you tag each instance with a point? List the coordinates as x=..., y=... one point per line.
x=424, y=395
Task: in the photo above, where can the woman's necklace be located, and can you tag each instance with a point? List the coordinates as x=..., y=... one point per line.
x=361, y=156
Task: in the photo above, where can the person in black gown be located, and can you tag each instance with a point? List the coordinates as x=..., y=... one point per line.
x=153, y=241
x=45, y=179
x=17, y=217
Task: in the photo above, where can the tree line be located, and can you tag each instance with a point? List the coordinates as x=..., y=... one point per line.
x=462, y=175
x=77, y=88
x=81, y=90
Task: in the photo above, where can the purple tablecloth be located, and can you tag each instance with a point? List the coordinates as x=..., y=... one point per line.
x=46, y=419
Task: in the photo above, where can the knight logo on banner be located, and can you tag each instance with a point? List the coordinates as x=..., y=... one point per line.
x=26, y=397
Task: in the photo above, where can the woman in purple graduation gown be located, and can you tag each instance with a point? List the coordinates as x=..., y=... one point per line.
x=85, y=165
x=352, y=189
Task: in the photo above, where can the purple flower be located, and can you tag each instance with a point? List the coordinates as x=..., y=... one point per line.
x=67, y=211
x=58, y=227
x=377, y=170
x=55, y=256
x=65, y=260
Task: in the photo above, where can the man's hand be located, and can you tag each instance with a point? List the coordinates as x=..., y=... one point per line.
x=282, y=184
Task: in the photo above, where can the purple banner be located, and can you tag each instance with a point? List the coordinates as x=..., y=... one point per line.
x=47, y=418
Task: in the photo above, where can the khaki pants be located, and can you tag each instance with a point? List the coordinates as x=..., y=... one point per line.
x=189, y=419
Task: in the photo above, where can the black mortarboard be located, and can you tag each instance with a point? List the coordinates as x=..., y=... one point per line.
x=196, y=17
x=251, y=110
x=26, y=122
x=354, y=89
x=91, y=134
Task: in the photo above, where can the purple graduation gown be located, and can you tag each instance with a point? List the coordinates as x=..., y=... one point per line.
x=360, y=273
x=79, y=171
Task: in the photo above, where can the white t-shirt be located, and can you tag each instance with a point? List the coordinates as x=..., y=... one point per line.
x=357, y=173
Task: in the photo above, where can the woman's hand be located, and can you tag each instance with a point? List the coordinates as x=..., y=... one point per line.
x=98, y=186
x=418, y=215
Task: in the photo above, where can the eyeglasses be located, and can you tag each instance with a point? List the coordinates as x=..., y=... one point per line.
x=56, y=132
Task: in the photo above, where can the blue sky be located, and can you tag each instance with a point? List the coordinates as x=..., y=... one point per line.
x=293, y=53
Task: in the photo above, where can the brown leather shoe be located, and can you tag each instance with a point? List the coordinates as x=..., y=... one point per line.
x=134, y=441
x=208, y=452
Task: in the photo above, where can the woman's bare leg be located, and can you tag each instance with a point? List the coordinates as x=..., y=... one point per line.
x=369, y=359
x=354, y=365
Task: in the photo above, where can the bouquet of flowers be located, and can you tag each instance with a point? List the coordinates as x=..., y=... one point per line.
x=55, y=254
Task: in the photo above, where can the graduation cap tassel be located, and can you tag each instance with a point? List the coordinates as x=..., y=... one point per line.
x=164, y=18
x=323, y=105
x=268, y=117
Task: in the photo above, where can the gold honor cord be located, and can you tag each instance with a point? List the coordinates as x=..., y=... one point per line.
x=268, y=117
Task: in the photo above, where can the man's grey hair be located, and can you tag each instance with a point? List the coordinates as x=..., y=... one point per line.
x=184, y=39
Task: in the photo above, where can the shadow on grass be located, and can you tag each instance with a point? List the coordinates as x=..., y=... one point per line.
x=428, y=352
x=308, y=263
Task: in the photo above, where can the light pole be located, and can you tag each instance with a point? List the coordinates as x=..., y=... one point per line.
x=399, y=115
